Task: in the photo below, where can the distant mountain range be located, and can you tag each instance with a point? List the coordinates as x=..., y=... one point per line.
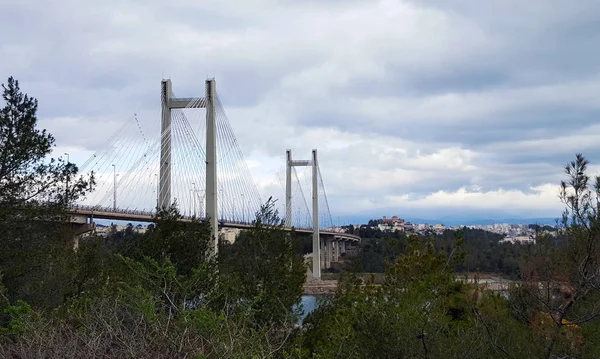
x=540, y=221
x=450, y=221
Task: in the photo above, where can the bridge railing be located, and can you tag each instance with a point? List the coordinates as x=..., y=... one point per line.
x=151, y=214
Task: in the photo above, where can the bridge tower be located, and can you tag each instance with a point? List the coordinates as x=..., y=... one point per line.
x=316, y=256
x=169, y=103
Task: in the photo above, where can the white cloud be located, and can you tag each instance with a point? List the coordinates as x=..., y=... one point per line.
x=433, y=106
x=540, y=200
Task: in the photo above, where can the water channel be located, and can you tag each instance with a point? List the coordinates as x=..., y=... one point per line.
x=309, y=303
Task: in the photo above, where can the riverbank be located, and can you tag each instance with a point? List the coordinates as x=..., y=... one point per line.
x=320, y=287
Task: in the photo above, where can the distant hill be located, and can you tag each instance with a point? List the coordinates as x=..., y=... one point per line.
x=456, y=221
x=540, y=221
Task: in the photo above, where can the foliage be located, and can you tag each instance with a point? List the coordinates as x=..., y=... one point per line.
x=483, y=251
x=24, y=174
x=185, y=244
x=36, y=241
x=561, y=280
x=420, y=311
x=261, y=272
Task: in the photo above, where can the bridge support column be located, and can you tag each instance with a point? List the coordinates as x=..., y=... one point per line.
x=322, y=253
x=168, y=103
x=316, y=243
x=211, y=161
x=315, y=214
x=288, y=188
x=331, y=251
x=164, y=187
x=327, y=253
x=336, y=251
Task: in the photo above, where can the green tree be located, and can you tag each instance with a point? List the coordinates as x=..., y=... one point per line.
x=35, y=235
x=186, y=244
x=263, y=268
x=561, y=278
x=25, y=173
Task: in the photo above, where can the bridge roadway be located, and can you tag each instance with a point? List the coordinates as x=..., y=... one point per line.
x=333, y=244
x=142, y=216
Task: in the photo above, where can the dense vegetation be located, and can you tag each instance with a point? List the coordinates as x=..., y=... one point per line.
x=484, y=251
x=159, y=295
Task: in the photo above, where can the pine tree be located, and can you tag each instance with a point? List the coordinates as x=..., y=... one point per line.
x=35, y=237
x=25, y=174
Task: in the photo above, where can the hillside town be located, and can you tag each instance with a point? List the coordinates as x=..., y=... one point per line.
x=511, y=232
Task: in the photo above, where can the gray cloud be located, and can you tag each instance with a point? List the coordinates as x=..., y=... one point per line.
x=401, y=98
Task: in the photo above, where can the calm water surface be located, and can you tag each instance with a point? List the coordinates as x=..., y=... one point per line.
x=309, y=303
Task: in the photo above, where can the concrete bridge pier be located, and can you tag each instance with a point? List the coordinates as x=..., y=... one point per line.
x=80, y=225
x=325, y=253
x=333, y=252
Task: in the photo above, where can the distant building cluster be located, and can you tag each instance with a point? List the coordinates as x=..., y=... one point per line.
x=398, y=224
x=514, y=233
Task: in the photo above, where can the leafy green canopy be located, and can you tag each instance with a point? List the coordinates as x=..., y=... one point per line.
x=35, y=238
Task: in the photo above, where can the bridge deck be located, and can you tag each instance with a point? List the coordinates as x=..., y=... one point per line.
x=141, y=216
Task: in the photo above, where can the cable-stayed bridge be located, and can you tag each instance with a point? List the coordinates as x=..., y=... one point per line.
x=196, y=162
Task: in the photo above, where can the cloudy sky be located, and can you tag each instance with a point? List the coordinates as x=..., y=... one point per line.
x=418, y=108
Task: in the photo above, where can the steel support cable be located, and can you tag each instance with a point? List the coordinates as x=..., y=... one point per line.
x=105, y=172
x=140, y=128
x=229, y=174
x=142, y=178
x=327, y=215
x=181, y=177
x=176, y=176
x=307, y=184
x=197, y=152
x=194, y=156
x=200, y=122
x=245, y=181
x=138, y=167
x=123, y=182
x=191, y=166
x=190, y=156
x=137, y=151
x=220, y=167
x=120, y=143
x=229, y=183
x=189, y=133
x=116, y=149
x=142, y=158
x=106, y=144
x=125, y=193
x=102, y=159
x=190, y=170
x=178, y=185
x=162, y=149
x=241, y=154
x=301, y=190
x=162, y=155
x=235, y=188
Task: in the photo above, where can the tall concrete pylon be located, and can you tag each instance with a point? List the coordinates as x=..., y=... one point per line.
x=164, y=190
x=316, y=256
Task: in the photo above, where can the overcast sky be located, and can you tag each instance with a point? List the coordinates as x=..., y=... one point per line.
x=418, y=108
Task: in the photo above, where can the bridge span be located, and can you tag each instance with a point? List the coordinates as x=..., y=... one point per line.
x=196, y=161
x=333, y=244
